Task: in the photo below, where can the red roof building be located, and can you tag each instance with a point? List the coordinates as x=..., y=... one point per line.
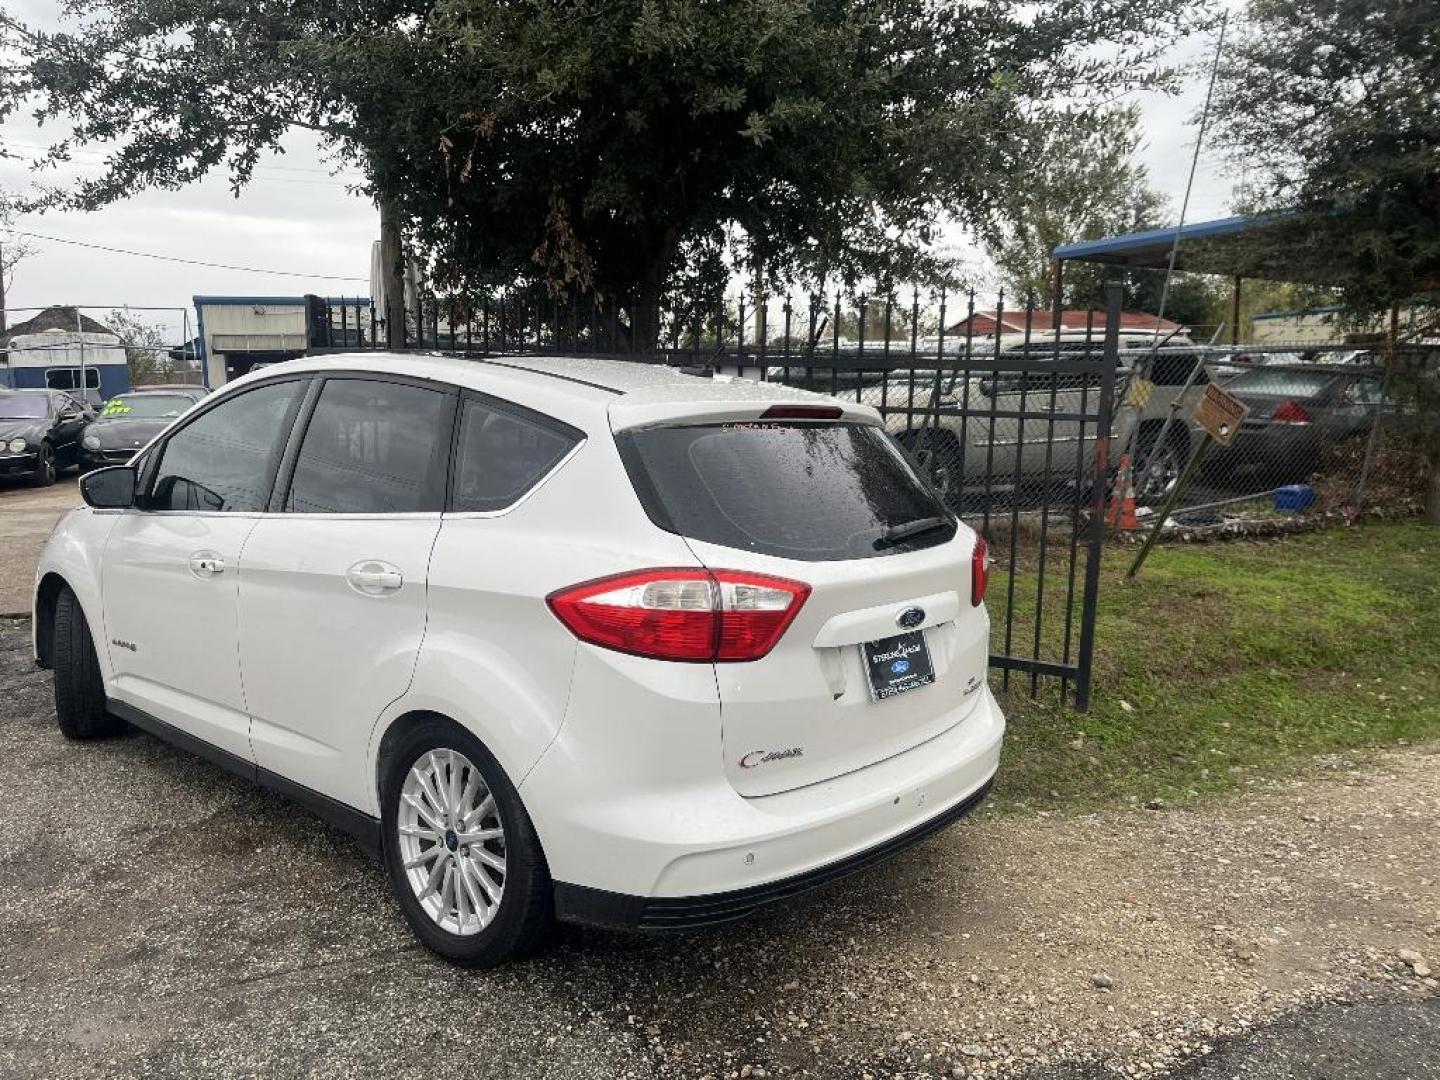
x=982, y=323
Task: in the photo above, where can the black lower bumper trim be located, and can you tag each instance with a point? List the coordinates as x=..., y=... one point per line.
x=619, y=911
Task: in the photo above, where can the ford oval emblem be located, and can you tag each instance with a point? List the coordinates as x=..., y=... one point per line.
x=911, y=617
x=899, y=667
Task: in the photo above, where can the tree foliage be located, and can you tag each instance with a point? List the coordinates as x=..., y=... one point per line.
x=146, y=356
x=1332, y=109
x=608, y=145
x=1081, y=183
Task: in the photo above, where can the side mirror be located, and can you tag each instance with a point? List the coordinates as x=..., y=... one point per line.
x=111, y=488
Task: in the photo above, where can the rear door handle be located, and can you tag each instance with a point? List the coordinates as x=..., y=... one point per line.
x=206, y=564
x=374, y=578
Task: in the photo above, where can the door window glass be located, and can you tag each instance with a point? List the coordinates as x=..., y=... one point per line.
x=373, y=448
x=503, y=455
x=225, y=460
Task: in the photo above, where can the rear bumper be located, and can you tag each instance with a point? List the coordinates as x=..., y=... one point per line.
x=705, y=854
x=619, y=911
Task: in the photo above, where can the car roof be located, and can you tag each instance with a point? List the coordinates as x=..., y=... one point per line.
x=627, y=393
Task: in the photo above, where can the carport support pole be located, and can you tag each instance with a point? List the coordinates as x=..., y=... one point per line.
x=1057, y=287
x=1169, y=504
x=1235, y=313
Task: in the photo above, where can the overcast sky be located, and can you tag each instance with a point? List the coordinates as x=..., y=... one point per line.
x=298, y=217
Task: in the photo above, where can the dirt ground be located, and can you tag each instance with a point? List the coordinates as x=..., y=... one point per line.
x=158, y=917
x=27, y=515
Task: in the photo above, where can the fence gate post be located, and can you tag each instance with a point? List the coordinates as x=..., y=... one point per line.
x=1095, y=534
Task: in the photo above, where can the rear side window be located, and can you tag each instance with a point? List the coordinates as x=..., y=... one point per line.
x=226, y=459
x=503, y=454
x=373, y=447
x=816, y=492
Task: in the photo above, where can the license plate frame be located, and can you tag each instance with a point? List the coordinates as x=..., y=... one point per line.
x=884, y=677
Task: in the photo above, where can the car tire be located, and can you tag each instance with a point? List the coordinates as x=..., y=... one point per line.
x=45, y=470
x=937, y=455
x=1171, y=460
x=79, y=689
x=523, y=912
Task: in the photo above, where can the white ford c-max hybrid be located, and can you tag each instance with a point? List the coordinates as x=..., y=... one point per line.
x=559, y=637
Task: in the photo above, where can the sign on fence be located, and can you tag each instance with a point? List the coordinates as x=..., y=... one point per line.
x=1220, y=414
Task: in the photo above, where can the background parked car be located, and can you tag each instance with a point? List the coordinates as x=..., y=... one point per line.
x=1295, y=414
x=967, y=452
x=40, y=433
x=130, y=420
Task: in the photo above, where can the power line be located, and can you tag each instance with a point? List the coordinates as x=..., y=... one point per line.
x=188, y=262
x=97, y=155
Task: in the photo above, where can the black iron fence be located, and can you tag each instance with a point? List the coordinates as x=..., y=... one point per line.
x=1013, y=428
x=1041, y=430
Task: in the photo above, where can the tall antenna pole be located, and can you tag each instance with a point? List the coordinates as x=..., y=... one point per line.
x=1190, y=181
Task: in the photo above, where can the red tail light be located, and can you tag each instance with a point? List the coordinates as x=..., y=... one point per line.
x=699, y=616
x=1290, y=412
x=979, y=571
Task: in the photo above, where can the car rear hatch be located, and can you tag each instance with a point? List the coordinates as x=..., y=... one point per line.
x=823, y=497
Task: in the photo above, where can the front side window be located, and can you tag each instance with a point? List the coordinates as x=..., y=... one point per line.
x=225, y=460
x=373, y=447
x=502, y=455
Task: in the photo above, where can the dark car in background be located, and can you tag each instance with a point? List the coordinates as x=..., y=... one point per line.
x=130, y=420
x=1295, y=414
x=40, y=434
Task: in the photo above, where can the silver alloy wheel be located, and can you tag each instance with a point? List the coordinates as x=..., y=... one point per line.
x=452, y=841
x=1162, y=473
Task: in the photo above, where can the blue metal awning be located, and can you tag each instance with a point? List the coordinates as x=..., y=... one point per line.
x=1151, y=248
x=1270, y=246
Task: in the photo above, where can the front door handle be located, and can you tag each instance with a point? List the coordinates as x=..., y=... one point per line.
x=206, y=564
x=374, y=578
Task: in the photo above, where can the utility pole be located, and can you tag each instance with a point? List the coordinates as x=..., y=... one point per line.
x=392, y=274
x=3, y=324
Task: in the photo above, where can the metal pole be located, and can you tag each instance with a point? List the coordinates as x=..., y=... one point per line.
x=1095, y=534
x=1370, y=448
x=1190, y=180
x=80, y=337
x=1235, y=313
x=1169, y=504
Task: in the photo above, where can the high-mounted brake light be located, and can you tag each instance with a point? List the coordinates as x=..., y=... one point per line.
x=700, y=616
x=803, y=412
x=979, y=571
x=1290, y=412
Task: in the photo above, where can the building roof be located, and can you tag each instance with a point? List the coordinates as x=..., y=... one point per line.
x=982, y=323
x=56, y=318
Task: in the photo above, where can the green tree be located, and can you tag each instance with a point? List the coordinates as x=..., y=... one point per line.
x=1085, y=183
x=146, y=356
x=604, y=145
x=1081, y=182
x=1333, y=109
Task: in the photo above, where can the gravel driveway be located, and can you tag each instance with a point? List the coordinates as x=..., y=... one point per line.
x=158, y=917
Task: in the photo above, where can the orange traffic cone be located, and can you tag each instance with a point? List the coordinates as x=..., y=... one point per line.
x=1120, y=514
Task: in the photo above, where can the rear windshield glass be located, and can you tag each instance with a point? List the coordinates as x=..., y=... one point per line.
x=816, y=492
x=1287, y=383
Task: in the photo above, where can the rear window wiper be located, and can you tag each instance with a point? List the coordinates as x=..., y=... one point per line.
x=896, y=533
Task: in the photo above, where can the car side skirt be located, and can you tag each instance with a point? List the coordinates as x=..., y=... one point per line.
x=357, y=823
x=618, y=911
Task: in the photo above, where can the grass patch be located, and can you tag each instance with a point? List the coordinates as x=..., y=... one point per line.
x=1230, y=661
